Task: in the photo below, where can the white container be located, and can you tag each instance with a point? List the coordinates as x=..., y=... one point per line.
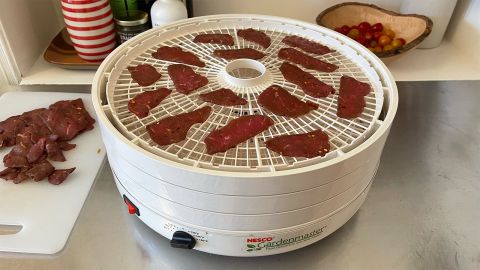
x=166, y=11
x=439, y=11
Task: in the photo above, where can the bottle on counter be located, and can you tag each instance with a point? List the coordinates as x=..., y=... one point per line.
x=165, y=11
x=131, y=24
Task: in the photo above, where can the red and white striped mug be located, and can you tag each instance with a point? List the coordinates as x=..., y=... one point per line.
x=91, y=28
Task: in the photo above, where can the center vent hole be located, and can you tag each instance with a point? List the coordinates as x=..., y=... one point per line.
x=245, y=73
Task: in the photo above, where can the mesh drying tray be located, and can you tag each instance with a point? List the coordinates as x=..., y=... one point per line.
x=352, y=59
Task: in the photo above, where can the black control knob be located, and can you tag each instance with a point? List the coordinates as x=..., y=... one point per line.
x=182, y=240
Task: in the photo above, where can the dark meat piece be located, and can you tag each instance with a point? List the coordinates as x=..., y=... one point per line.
x=67, y=119
x=40, y=170
x=58, y=176
x=176, y=54
x=280, y=102
x=9, y=130
x=221, y=39
x=144, y=75
x=309, y=145
x=351, y=100
x=306, y=81
x=174, y=129
x=298, y=57
x=142, y=103
x=11, y=160
x=306, y=45
x=9, y=173
x=236, y=131
x=256, y=36
x=54, y=152
x=37, y=150
x=223, y=96
x=66, y=146
x=185, y=79
x=239, y=53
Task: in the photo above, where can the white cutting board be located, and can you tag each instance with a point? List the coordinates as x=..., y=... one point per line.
x=47, y=212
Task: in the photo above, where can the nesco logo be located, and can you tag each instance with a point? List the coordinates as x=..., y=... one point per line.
x=259, y=240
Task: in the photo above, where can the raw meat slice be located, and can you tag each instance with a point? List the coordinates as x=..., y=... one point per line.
x=309, y=145
x=141, y=104
x=256, y=36
x=174, y=129
x=176, y=54
x=11, y=160
x=223, y=96
x=66, y=146
x=41, y=170
x=280, y=102
x=144, y=74
x=351, y=100
x=305, y=60
x=67, y=119
x=248, y=53
x=221, y=39
x=58, y=176
x=306, y=81
x=306, y=45
x=9, y=129
x=9, y=173
x=37, y=150
x=185, y=79
x=54, y=152
x=235, y=132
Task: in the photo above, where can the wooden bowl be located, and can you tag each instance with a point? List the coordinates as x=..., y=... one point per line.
x=411, y=27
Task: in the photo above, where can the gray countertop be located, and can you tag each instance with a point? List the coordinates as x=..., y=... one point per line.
x=422, y=212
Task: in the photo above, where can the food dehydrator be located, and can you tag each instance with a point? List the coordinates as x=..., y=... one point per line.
x=249, y=200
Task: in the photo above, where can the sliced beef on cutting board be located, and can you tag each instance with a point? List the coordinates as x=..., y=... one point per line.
x=68, y=118
x=309, y=145
x=40, y=170
x=141, y=104
x=224, y=97
x=220, y=39
x=235, y=132
x=185, y=79
x=306, y=45
x=280, y=102
x=248, y=53
x=174, y=129
x=144, y=74
x=351, y=101
x=256, y=36
x=176, y=54
x=305, y=60
x=306, y=81
x=9, y=129
x=59, y=176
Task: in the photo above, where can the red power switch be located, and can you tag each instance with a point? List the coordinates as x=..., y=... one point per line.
x=132, y=209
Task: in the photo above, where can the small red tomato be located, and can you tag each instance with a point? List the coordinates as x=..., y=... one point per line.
x=377, y=49
x=378, y=27
x=368, y=35
x=377, y=35
x=403, y=41
x=396, y=43
x=384, y=40
x=373, y=43
x=388, y=47
x=364, y=27
x=389, y=32
x=361, y=39
x=353, y=33
x=345, y=29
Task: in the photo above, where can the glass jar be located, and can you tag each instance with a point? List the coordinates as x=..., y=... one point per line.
x=130, y=24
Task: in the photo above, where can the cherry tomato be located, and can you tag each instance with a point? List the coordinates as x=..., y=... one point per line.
x=377, y=49
x=364, y=27
x=345, y=29
x=373, y=43
x=389, y=32
x=354, y=33
x=361, y=39
x=402, y=41
x=388, y=47
x=384, y=40
x=396, y=43
x=377, y=35
x=378, y=27
x=368, y=35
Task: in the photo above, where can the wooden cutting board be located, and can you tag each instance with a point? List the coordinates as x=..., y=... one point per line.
x=45, y=213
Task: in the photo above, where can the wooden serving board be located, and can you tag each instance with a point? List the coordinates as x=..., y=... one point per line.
x=45, y=213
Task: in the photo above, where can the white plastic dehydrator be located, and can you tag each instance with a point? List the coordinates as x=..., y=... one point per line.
x=248, y=201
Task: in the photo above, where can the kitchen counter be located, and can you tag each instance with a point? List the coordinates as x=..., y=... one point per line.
x=422, y=212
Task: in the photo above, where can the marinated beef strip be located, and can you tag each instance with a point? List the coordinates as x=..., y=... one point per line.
x=224, y=97
x=144, y=74
x=306, y=45
x=67, y=119
x=256, y=36
x=306, y=81
x=185, y=79
x=248, y=53
x=305, y=60
x=176, y=54
x=220, y=39
x=235, y=132
x=9, y=129
x=280, y=102
x=351, y=101
x=59, y=176
x=309, y=145
x=174, y=129
x=141, y=104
